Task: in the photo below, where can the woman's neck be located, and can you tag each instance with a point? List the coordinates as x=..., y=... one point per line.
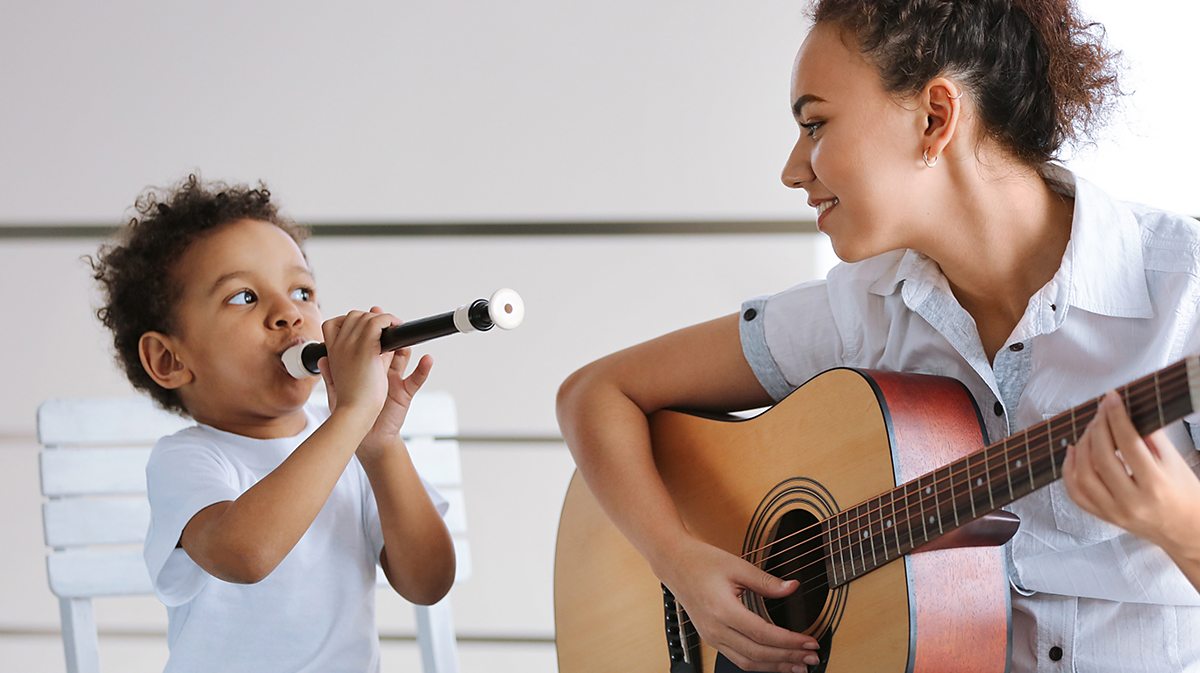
x=999, y=241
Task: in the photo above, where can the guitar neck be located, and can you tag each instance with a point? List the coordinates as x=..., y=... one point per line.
x=879, y=530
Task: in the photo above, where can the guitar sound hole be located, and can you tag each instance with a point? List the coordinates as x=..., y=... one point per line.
x=797, y=552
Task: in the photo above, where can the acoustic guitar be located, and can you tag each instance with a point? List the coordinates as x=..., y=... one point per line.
x=878, y=491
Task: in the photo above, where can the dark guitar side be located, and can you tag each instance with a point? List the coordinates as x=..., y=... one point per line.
x=857, y=434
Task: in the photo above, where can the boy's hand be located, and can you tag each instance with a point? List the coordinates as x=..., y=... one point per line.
x=385, y=384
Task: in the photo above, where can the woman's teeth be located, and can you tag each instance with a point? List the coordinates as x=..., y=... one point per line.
x=825, y=205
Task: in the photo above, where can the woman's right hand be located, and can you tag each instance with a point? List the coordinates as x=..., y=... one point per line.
x=709, y=582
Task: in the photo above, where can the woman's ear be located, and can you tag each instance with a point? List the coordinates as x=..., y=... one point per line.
x=941, y=103
x=160, y=359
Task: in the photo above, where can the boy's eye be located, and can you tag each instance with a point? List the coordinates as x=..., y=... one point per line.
x=242, y=298
x=302, y=294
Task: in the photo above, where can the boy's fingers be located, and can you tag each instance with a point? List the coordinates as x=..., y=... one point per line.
x=323, y=366
x=332, y=327
x=420, y=374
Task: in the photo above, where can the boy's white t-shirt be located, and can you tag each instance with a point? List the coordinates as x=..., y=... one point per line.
x=315, y=612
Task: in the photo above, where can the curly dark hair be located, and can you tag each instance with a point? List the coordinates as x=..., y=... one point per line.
x=133, y=270
x=1039, y=73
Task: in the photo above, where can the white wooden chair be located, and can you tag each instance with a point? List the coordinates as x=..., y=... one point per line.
x=93, y=462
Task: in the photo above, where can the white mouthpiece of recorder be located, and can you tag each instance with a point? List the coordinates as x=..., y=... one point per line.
x=294, y=364
x=506, y=308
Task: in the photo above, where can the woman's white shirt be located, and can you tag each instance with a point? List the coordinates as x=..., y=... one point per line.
x=1123, y=304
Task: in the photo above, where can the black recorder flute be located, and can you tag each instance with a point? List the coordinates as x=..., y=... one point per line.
x=504, y=309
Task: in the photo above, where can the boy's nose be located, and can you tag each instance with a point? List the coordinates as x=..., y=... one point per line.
x=285, y=315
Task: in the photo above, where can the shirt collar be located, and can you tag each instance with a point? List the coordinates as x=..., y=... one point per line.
x=1102, y=269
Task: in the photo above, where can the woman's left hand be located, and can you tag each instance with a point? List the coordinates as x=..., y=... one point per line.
x=1143, y=486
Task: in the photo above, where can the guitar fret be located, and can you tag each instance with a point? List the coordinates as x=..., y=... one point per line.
x=921, y=503
x=937, y=505
x=846, y=550
x=953, y=501
x=1029, y=462
x=1074, y=438
x=1008, y=467
x=1158, y=401
x=869, y=538
x=912, y=544
x=970, y=486
x=861, y=539
x=895, y=525
x=835, y=551
x=987, y=472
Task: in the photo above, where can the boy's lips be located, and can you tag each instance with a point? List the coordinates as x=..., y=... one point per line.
x=290, y=344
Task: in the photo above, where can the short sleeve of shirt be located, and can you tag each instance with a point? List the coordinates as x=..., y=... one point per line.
x=790, y=337
x=182, y=478
x=370, y=509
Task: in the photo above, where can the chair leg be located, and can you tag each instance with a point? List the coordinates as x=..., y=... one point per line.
x=435, y=635
x=80, y=644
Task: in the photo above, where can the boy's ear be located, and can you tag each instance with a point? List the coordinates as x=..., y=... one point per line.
x=161, y=360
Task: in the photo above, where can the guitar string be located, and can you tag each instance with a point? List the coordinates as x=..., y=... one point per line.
x=1135, y=404
x=1083, y=408
x=1087, y=408
x=907, y=508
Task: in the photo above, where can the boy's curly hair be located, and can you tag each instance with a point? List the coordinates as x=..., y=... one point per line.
x=134, y=270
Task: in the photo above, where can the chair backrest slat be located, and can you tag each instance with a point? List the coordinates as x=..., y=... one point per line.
x=106, y=471
x=76, y=522
x=82, y=573
x=100, y=421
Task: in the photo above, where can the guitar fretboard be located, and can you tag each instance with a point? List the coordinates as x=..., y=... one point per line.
x=877, y=531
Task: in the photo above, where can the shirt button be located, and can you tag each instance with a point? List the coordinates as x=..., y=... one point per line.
x=1017, y=347
x=1056, y=653
x=750, y=314
x=999, y=409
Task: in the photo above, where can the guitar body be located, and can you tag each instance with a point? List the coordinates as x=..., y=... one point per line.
x=843, y=437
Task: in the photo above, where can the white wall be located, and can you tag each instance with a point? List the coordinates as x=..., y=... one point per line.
x=531, y=109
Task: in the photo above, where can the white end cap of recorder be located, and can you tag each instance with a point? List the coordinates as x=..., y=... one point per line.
x=293, y=362
x=506, y=308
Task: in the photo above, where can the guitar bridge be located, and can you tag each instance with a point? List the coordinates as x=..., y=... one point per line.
x=683, y=643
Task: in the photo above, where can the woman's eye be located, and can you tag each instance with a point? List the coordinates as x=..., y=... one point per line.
x=242, y=298
x=302, y=294
x=810, y=129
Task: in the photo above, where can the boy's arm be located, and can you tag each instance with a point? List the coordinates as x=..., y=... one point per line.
x=418, y=554
x=244, y=540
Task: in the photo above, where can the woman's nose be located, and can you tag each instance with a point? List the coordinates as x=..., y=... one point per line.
x=798, y=169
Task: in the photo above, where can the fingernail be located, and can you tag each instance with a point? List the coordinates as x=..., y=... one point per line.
x=799, y=669
x=811, y=646
x=812, y=660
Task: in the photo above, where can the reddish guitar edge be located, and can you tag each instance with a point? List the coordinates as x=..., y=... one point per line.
x=932, y=421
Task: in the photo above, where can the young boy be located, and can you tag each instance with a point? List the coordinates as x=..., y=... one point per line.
x=269, y=515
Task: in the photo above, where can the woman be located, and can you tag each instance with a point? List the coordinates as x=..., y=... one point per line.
x=927, y=132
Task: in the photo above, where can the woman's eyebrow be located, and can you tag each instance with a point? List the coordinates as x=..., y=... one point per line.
x=798, y=106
